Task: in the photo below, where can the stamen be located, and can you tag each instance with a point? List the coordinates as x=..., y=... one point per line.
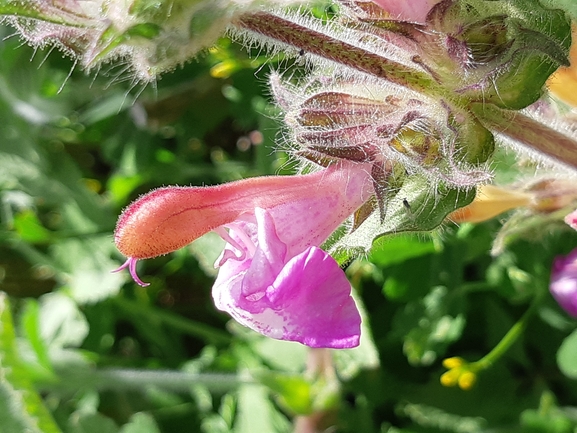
x=245, y=238
x=221, y=231
x=130, y=263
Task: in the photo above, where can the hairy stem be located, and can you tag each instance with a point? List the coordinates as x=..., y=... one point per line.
x=528, y=132
x=311, y=41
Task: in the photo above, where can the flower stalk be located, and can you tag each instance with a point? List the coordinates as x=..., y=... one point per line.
x=535, y=136
x=464, y=374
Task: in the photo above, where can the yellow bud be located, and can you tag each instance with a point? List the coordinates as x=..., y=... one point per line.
x=453, y=362
x=467, y=380
x=224, y=69
x=450, y=378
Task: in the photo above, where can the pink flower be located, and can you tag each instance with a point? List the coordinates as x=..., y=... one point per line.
x=563, y=285
x=273, y=277
x=407, y=10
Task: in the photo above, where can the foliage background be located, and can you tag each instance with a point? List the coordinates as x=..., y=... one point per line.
x=83, y=350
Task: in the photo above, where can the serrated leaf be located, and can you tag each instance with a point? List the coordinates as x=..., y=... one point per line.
x=418, y=206
x=21, y=408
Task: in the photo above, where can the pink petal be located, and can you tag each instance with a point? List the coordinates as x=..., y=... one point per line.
x=563, y=285
x=268, y=259
x=313, y=296
x=571, y=219
x=309, y=302
x=407, y=10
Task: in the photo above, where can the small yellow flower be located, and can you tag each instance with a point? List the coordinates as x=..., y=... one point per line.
x=460, y=373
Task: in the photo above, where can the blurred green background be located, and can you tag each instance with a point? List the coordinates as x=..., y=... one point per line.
x=85, y=350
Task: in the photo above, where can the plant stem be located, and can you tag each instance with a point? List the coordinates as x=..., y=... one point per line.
x=528, y=132
x=329, y=47
x=133, y=379
x=509, y=339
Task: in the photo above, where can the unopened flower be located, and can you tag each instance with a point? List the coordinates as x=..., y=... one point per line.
x=563, y=285
x=151, y=37
x=273, y=276
x=491, y=201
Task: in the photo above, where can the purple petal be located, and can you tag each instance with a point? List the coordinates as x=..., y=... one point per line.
x=563, y=285
x=309, y=302
x=313, y=296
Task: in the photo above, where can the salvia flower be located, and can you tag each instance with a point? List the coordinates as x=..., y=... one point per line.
x=563, y=285
x=273, y=276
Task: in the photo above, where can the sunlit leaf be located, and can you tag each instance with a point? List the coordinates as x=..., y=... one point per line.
x=21, y=408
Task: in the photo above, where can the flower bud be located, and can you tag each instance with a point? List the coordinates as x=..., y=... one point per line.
x=373, y=121
x=152, y=36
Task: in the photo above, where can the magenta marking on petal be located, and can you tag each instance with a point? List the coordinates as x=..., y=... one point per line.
x=130, y=263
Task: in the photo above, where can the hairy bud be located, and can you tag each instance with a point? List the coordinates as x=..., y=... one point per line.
x=151, y=36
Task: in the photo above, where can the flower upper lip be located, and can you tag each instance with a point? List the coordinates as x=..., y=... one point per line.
x=167, y=219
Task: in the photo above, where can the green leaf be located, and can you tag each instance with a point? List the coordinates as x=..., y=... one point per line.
x=140, y=423
x=294, y=391
x=569, y=6
x=29, y=228
x=81, y=422
x=21, y=409
x=391, y=250
x=30, y=320
x=253, y=400
x=418, y=206
x=428, y=326
x=567, y=355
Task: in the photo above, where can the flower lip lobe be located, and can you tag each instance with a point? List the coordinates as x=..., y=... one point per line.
x=303, y=297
